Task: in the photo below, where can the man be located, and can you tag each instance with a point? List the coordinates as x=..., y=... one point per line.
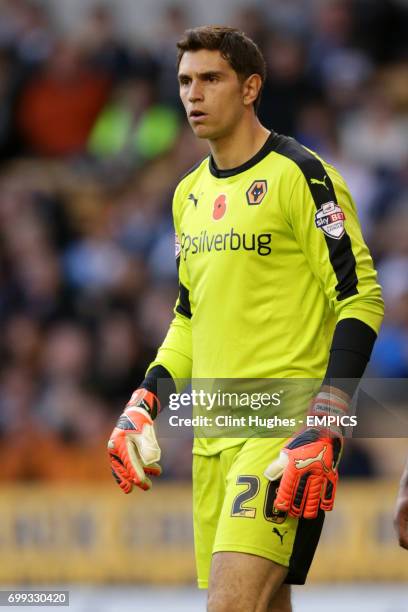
x=275, y=282
x=401, y=511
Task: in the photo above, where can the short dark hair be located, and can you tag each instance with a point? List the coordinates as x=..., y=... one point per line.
x=242, y=54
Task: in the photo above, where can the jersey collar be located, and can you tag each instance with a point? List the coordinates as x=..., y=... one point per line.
x=270, y=145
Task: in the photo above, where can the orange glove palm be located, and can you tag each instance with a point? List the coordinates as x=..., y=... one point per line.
x=133, y=448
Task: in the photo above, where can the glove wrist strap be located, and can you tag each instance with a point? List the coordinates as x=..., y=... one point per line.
x=142, y=398
x=327, y=410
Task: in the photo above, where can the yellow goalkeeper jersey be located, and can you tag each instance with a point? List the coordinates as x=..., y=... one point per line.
x=270, y=257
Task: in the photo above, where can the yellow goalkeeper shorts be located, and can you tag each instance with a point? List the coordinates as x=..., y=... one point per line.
x=233, y=511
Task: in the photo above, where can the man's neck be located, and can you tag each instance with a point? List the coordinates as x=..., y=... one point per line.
x=238, y=147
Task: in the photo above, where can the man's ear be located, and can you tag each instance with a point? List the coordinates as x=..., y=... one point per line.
x=251, y=88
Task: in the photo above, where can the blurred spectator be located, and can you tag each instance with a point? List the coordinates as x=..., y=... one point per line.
x=336, y=63
x=155, y=314
x=99, y=39
x=67, y=354
x=289, y=17
x=381, y=28
x=376, y=134
x=59, y=105
x=7, y=91
x=133, y=128
x=23, y=339
x=25, y=27
x=173, y=21
x=17, y=391
x=34, y=281
x=94, y=264
x=390, y=356
x=356, y=461
x=287, y=88
x=252, y=20
x=118, y=364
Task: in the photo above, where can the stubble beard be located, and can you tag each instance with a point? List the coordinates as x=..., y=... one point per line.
x=214, y=134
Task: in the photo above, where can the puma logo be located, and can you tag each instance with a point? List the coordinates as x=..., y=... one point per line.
x=315, y=181
x=193, y=199
x=279, y=534
x=302, y=463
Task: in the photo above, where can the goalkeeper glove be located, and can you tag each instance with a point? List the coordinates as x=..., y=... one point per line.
x=133, y=448
x=308, y=463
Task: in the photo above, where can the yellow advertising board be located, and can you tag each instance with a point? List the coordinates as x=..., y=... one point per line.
x=56, y=534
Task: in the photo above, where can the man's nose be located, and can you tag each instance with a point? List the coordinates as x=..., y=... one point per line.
x=196, y=92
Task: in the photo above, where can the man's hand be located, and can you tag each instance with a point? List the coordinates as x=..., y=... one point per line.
x=401, y=512
x=308, y=463
x=133, y=447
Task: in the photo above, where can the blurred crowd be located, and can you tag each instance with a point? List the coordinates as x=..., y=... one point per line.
x=92, y=143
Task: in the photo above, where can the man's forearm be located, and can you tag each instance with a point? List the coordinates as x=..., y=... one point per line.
x=151, y=381
x=159, y=381
x=351, y=348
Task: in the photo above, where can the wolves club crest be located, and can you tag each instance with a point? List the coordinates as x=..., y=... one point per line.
x=256, y=192
x=330, y=218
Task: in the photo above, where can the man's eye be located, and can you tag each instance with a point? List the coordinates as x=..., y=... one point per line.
x=211, y=78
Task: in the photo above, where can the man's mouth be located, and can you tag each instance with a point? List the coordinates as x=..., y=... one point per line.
x=197, y=114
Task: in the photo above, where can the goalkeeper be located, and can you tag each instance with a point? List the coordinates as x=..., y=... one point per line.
x=275, y=281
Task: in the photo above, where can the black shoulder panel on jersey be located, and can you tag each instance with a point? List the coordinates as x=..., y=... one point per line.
x=184, y=307
x=322, y=190
x=193, y=168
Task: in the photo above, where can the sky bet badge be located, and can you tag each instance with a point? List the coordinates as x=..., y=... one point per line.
x=330, y=218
